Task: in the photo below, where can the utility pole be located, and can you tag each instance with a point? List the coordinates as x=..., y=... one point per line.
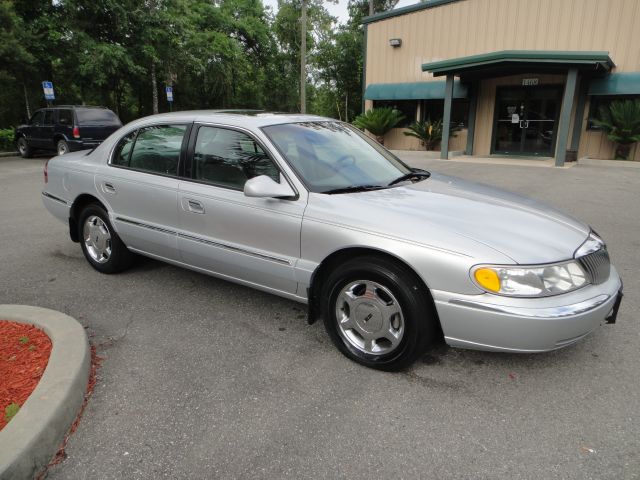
x=303, y=59
x=370, y=7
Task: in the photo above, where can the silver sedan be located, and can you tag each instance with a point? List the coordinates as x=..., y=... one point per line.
x=391, y=258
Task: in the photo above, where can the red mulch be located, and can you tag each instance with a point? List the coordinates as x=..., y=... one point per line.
x=24, y=354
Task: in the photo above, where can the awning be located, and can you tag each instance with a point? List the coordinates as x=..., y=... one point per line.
x=429, y=90
x=521, y=59
x=623, y=83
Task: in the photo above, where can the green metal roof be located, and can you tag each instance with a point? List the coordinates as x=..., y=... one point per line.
x=408, y=9
x=413, y=91
x=537, y=57
x=623, y=83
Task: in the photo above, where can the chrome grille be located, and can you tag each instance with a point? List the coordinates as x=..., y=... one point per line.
x=597, y=265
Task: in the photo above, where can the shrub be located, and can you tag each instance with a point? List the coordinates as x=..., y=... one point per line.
x=7, y=139
x=621, y=122
x=379, y=121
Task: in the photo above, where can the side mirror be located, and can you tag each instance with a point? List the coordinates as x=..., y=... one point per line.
x=263, y=186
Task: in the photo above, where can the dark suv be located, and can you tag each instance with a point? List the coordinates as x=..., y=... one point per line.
x=66, y=128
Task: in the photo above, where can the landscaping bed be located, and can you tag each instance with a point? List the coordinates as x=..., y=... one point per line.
x=24, y=354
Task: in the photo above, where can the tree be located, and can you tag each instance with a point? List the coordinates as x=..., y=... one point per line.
x=621, y=122
x=429, y=133
x=379, y=121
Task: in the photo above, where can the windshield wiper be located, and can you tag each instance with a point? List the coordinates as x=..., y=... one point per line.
x=353, y=189
x=415, y=173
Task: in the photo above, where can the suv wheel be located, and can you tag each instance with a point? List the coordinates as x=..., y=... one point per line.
x=23, y=147
x=62, y=147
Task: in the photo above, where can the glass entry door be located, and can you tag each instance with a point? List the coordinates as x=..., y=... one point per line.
x=525, y=120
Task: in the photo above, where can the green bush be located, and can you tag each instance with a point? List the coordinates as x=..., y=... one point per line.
x=621, y=123
x=379, y=121
x=7, y=139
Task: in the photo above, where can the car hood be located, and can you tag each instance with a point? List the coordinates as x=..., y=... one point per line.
x=454, y=214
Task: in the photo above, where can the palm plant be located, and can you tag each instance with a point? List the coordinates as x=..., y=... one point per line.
x=621, y=121
x=379, y=121
x=429, y=133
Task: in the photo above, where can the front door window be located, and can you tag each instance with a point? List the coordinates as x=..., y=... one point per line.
x=526, y=120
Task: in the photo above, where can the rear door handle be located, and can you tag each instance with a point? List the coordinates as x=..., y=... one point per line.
x=108, y=188
x=194, y=206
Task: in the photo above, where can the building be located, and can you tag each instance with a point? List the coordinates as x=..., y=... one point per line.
x=517, y=77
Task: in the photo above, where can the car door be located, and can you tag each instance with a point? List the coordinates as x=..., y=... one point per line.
x=255, y=240
x=140, y=185
x=32, y=131
x=45, y=131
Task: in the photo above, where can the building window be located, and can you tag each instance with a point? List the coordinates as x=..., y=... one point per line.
x=434, y=110
x=407, y=107
x=603, y=101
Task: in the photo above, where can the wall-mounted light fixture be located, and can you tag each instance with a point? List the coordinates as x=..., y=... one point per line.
x=395, y=42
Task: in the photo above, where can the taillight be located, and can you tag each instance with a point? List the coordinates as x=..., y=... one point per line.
x=46, y=171
x=76, y=132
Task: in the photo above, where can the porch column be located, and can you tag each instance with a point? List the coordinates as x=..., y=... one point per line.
x=565, y=116
x=446, y=120
x=471, y=127
x=577, y=124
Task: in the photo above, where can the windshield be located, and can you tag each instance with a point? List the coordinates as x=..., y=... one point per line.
x=97, y=116
x=333, y=155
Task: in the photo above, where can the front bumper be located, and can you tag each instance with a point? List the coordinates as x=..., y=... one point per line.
x=506, y=324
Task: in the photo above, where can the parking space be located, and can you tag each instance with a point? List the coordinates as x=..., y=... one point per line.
x=202, y=378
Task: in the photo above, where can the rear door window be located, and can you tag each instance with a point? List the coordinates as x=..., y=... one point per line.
x=156, y=149
x=65, y=117
x=97, y=116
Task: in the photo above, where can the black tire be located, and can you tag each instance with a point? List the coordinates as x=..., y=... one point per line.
x=62, y=147
x=119, y=257
x=417, y=316
x=23, y=147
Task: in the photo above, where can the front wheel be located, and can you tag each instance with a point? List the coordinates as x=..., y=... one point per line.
x=100, y=243
x=378, y=312
x=23, y=147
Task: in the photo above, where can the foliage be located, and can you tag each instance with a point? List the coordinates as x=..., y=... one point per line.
x=621, y=121
x=10, y=411
x=379, y=121
x=429, y=133
x=215, y=54
x=7, y=139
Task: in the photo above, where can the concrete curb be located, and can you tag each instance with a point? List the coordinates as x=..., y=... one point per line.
x=33, y=436
x=594, y=162
x=9, y=154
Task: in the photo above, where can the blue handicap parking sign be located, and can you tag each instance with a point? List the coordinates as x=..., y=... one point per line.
x=169, y=91
x=47, y=87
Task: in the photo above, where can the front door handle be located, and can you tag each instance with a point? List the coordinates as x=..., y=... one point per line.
x=194, y=206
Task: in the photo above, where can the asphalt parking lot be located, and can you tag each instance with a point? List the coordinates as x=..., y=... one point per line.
x=206, y=379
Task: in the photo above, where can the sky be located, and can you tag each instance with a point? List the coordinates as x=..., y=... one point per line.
x=340, y=9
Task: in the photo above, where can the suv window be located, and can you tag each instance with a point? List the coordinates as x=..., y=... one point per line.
x=97, y=116
x=229, y=158
x=155, y=149
x=65, y=117
x=37, y=118
x=48, y=117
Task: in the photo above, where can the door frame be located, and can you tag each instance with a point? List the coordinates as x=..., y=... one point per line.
x=556, y=86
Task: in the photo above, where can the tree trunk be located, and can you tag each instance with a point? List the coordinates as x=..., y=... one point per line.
x=154, y=86
x=622, y=151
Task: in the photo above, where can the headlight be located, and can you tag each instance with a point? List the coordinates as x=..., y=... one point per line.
x=533, y=281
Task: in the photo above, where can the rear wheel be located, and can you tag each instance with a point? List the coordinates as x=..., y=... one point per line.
x=23, y=147
x=100, y=243
x=62, y=147
x=378, y=313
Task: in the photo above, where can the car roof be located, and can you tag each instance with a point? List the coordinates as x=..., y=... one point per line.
x=239, y=118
